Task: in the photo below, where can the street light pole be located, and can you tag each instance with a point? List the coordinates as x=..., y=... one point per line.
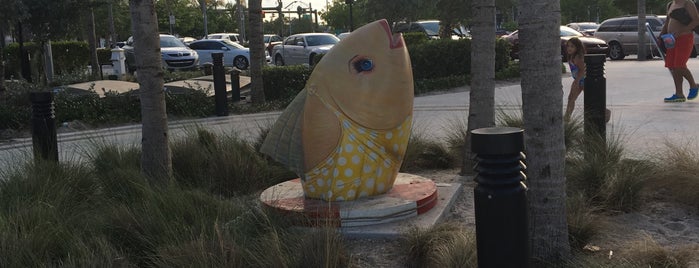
x=349, y=2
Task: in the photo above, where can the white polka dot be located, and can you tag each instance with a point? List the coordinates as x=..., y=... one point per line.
x=352, y=137
x=380, y=187
x=340, y=199
x=320, y=182
x=357, y=182
x=360, y=148
x=363, y=194
x=348, y=172
x=395, y=147
x=330, y=194
x=379, y=171
x=382, y=149
x=369, y=183
x=350, y=194
x=339, y=184
x=325, y=172
x=387, y=163
x=311, y=189
x=361, y=130
x=339, y=150
x=400, y=133
x=345, y=123
x=355, y=159
x=373, y=134
x=341, y=161
x=330, y=161
x=389, y=135
x=336, y=173
x=367, y=168
x=369, y=144
x=349, y=148
x=373, y=156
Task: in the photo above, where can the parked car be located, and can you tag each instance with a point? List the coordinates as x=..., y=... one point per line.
x=622, y=36
x=234, y=54
x=175, y=54
x=586, y=28
x=429, y=28
x=343, y=35
x=592, y=45
x=271, y=40
x=187, y=40
x=230, y=36
x=302, y=48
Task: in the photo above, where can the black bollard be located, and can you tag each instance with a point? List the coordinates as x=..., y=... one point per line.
x=235, y=85
x=44, y=138
x=595, y=96
x=500, y=198
x=221, y=96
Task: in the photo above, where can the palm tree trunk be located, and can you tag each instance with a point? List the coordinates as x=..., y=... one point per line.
x=92, y=41
x=156, y=160
x=542, y=106
x=257, y=51
x=481, y=111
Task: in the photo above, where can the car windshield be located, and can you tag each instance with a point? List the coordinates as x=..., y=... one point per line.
x=431, y=27
x=565, y=31
x=232, y=44
x=170, y=41
x=319, y=40
x=588, y=26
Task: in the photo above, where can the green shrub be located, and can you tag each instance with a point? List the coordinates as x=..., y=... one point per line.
x=282, y=82
x=440, y=83
x=441, y=58
x=414, y=39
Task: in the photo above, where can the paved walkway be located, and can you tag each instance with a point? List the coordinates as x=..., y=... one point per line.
x=205, y=82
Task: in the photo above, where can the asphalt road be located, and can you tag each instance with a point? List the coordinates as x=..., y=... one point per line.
x=635, y=92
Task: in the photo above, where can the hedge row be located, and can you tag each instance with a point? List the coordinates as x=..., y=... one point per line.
x=68, y=57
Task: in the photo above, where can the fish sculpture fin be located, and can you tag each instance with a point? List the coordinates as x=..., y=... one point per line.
x=284, y=141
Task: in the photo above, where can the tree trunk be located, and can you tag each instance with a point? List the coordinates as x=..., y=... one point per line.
x=2, y=61
x=257, y=51
x=481, y=111
x=542, y=107
x=92, y=42
x=642, y=56
x=156, y=160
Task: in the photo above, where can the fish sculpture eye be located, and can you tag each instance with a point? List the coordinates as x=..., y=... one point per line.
x=364, y=65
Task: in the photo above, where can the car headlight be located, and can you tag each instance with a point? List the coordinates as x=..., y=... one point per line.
x=266, y=53
x=194, y=53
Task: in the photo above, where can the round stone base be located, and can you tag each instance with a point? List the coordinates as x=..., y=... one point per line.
x=411, y=195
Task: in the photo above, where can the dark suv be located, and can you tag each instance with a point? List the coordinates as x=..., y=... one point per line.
x=429, y=28
x=622, y=36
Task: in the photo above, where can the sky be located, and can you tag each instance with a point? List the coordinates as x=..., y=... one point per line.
x=316, y=4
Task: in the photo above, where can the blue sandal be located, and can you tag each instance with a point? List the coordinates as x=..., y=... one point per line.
x=692, y=93
x=675, y=98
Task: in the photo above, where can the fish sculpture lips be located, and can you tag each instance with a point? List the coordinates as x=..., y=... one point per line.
x=396, y=40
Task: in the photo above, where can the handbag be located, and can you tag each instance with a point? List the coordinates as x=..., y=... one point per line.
x=668, y=40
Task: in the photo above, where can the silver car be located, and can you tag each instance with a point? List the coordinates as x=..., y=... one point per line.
x=622, y=36
x=175, y=54
x=302, y=48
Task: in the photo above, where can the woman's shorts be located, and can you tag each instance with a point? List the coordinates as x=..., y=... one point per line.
x=677, y=56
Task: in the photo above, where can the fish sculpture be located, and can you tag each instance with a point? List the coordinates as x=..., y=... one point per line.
x=345, y=134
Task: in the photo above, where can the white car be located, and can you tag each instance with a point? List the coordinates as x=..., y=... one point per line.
x=302, y=48
x=230, y=36
x=234, y=54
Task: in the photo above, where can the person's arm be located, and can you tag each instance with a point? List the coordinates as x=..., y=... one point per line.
x=692, y=9
x=667, y=19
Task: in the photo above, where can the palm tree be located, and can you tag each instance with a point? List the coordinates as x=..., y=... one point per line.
x=156, y=162
x=481, y=111
x=257, y=51
x=542, y=109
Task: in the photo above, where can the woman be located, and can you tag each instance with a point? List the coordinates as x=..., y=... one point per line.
x=682, y=17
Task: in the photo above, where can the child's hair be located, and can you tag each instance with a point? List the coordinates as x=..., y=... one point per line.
x=579, y=48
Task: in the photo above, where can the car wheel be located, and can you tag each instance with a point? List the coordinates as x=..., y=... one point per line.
x=310, y=59
x=278, y=60
x=615, y=51
x=241, y=63
x=694, y=53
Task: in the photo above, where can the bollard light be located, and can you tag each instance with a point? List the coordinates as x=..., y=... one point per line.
x=235, y=85
x=44, y=138
x=220, y=94
x=595, y=96
x=500, y=198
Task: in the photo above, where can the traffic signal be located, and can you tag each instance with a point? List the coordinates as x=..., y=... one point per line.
x=299, y=10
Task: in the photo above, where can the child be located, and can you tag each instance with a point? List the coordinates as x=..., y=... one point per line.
x=576, y=61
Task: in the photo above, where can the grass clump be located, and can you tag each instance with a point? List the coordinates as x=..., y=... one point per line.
x=679, y=176
x=445, y=245
x=423, y=153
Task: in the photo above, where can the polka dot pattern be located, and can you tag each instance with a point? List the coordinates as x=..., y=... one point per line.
x=361, y=165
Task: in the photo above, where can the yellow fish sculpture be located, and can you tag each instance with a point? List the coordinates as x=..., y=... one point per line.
x=345, y=134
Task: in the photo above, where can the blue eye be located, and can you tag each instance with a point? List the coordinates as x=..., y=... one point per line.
x=364, y=65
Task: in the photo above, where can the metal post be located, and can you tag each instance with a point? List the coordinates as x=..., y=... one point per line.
x=44, y=140
x=500, y=198
x=220, y=85
x=235, y=85
x=595, y=96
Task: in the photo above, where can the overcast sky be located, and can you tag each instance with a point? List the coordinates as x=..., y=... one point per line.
x=316, y=4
